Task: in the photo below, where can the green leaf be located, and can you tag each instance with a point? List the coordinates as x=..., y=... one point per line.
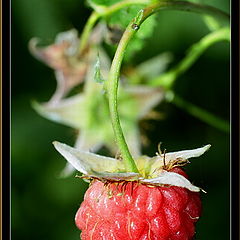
x=122, y=18
x=102, y=2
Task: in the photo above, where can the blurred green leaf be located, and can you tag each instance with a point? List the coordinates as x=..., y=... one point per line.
x=103, y=2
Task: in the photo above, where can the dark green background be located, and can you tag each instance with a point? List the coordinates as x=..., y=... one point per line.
x=43, y=206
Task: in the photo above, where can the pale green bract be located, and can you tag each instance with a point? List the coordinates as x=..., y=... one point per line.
x=97, y=76
x=107, y=168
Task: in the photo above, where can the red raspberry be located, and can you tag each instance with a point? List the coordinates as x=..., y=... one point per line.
x=129, y=210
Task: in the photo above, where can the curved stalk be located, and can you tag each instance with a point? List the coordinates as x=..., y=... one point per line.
x=201, y=114
x=112, y=89
x=112, y=83
x=167, y=79
x=87, y=30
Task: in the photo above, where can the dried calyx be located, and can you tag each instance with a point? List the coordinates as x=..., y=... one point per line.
x=152, y=170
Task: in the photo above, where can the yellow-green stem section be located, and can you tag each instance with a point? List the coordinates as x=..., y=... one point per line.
x=201, y=114
x=87, y=30
x=112, y=83
x=167, y=79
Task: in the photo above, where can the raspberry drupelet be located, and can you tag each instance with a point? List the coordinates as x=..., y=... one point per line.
x=131, y=210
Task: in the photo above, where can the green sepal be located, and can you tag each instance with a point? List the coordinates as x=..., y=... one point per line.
x=97, y=75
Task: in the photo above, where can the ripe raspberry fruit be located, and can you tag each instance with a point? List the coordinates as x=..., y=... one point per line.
x=131, y=210
x=156, y=203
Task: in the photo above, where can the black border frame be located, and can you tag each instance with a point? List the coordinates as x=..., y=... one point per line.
x=5, y=119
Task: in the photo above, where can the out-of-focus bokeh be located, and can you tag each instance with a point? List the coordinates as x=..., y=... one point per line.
x=43, y=205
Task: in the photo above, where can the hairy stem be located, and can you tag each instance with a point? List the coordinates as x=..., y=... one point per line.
x=112, y=89
x=112, y=83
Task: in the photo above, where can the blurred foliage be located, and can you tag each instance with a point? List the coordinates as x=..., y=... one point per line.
x=43, y=205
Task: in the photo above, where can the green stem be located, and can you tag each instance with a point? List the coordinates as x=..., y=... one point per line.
x=112, y=83
x=200, y=113
x=112, y=89
x=87, y=30
x=104, y=12
x=183, y=6
x=167, y=79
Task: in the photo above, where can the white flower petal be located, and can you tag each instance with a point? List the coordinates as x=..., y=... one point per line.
x=83, y=143
x=86, y=162
x=173, y=179
x=181, y=155
x=186, y=154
